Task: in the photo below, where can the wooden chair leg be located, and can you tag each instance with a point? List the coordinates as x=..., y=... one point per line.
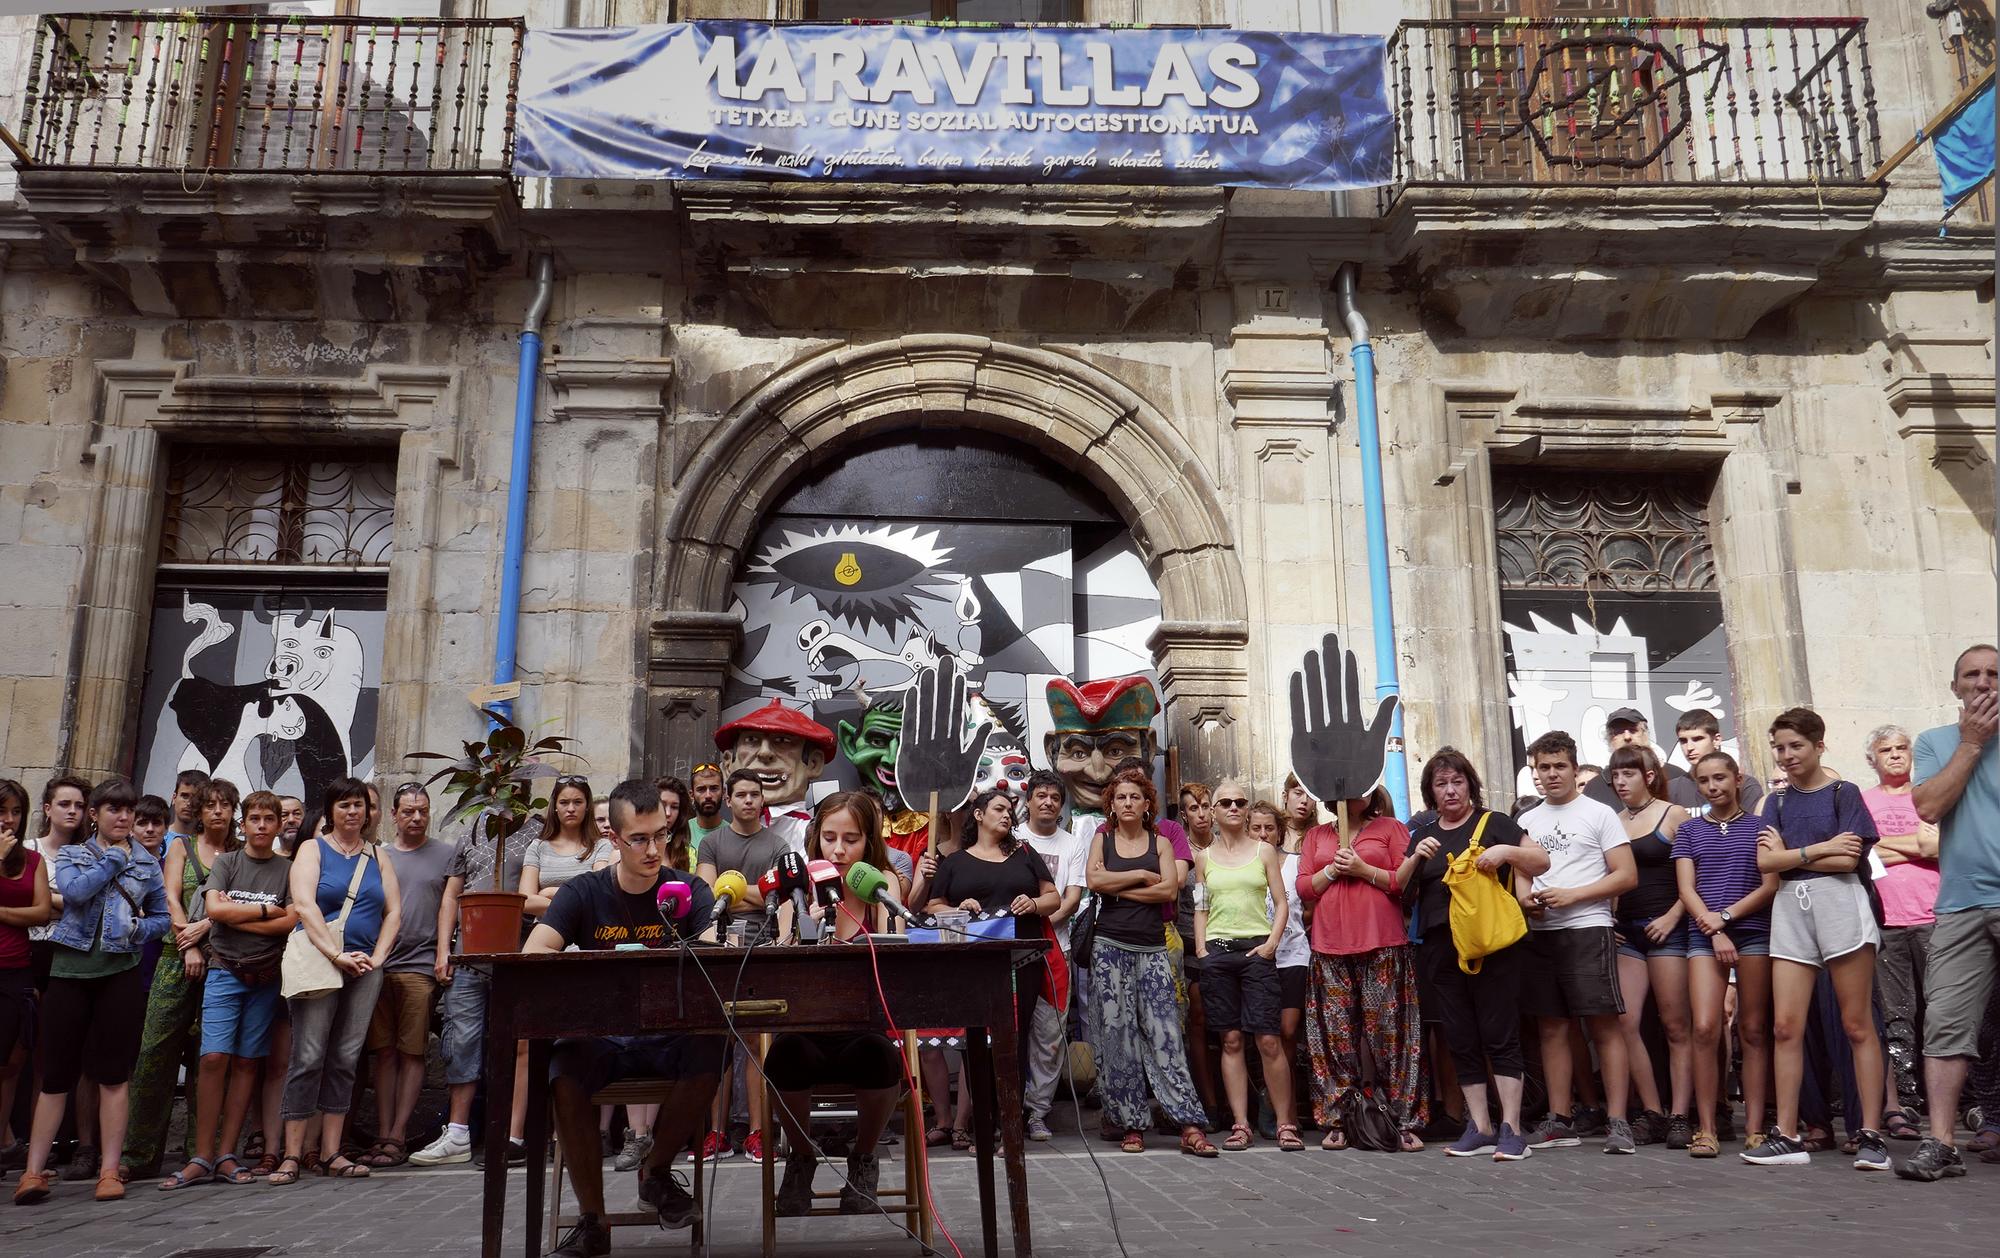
x=769, y=1170
x=556, y=1194
x=695, y=1234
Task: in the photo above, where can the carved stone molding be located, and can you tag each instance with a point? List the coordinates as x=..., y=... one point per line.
x=608, y=388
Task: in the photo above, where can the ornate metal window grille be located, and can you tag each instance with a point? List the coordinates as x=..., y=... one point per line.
x=1638, y=534
x=231, y=505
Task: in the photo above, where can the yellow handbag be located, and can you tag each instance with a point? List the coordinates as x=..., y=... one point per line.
x=1485, y=916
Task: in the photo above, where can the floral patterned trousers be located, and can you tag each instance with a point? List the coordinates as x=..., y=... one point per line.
x=1135, y=1028
x=1369, y=996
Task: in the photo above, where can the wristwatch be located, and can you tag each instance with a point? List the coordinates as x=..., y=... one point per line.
x=1726, y=916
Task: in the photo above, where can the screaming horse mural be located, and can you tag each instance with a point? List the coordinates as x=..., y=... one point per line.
x=281, y=701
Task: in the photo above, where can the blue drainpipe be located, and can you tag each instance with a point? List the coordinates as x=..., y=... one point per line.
x=1395, y=771
x=526, y=382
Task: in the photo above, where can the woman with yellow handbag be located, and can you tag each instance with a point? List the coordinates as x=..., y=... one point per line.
x=1476, y=997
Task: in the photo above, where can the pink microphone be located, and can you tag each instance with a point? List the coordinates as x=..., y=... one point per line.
x=675, y=901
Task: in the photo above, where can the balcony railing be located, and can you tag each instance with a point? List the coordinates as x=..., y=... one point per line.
x=1686, y=101
x=214, y=92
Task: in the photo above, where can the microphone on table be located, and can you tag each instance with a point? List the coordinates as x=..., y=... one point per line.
x=730, y=889
x=872, y=885
x=826, y=893
x=795, y=881
x=675, y=901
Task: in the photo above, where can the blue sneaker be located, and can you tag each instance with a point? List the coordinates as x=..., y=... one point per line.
x=1511, y=1146
x=1470, y=1145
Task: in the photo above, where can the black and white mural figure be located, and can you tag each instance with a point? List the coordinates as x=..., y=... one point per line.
x=280, y=700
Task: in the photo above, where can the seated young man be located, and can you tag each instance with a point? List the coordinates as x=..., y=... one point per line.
x=602, y=910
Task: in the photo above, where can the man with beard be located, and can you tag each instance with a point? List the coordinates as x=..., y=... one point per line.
x=786, y=751
x=706, y=787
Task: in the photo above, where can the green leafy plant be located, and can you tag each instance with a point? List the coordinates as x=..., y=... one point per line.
x=493, y=781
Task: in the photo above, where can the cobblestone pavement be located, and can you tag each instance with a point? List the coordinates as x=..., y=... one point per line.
x=1560, y=1202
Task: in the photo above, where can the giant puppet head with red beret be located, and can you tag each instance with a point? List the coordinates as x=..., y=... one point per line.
x=784, y=747
x=1096, y=725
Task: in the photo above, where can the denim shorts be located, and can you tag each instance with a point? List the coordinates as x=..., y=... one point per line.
x=1751, y=940
x=1633, y=941
x=235, y=1018
x=462, y=1005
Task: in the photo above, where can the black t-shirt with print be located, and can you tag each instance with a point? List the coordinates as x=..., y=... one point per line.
x=593, y=912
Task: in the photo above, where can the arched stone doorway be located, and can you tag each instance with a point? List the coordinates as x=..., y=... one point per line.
x=1064, y=408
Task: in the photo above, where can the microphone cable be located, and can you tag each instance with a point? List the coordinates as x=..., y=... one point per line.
x=735, y=1033
x=1069, y=1076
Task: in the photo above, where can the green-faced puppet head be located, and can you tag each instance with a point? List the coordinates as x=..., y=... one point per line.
x=872, y=748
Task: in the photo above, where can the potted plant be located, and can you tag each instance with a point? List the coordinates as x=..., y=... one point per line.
x=492, y=783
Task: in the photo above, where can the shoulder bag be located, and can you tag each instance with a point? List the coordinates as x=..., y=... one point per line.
x=1484, y=915
x=306, y=972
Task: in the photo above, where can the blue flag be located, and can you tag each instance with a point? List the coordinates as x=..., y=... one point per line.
x=1964, y=148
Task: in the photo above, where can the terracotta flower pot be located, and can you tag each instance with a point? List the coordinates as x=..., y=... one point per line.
x=490, y=921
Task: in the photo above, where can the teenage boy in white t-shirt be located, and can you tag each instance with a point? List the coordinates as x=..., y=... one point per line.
x=1063, y=852
x=1574, y=970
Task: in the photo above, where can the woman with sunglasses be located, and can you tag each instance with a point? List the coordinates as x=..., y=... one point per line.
x=1239, y=917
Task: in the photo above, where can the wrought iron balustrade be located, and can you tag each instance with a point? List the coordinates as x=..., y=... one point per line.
x=232, y=92
x=1648, y=101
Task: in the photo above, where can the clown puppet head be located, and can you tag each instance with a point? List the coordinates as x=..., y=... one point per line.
x=1096, y=725
x=784, y=747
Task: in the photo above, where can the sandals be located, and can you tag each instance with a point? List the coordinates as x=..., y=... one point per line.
x=280, y=1177
x=265, y=1165
x=1133, y=1142
x=1194, y=1143
x=385, y=1153
x=1411, y=1142
x=1334, y=1141
x=1239, y=1138
x=1703, y=1146
x=237, y=1176
x=961, y=1139
x=181, y=1179
x=937, y=1136
x=1818, y=1140
x=1896, y=1125
x=353, y=1170
x=1986, y=1138
x=254, y=1148
x=1288, y=1139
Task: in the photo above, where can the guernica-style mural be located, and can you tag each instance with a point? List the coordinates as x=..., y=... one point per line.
x=839, y=614
x=273, y=692
x=1661, y=654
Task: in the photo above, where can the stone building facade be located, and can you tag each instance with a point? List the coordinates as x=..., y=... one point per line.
x=1786, y=387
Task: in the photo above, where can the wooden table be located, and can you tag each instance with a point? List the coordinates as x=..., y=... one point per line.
x=539, y=997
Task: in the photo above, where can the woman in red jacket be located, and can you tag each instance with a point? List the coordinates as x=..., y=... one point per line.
x=1364, y=982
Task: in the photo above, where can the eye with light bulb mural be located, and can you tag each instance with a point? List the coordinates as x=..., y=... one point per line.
x=841, y=615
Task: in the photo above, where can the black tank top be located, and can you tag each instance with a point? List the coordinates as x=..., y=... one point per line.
x=1658, y=888
x=1131, y=922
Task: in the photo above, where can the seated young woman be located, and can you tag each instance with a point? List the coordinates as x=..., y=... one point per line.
x=846, y=828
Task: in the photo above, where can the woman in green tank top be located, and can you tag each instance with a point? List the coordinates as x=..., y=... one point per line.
x=1239, y=914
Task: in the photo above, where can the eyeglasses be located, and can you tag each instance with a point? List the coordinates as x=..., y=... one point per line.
x=1232, y=803
x=647, y=840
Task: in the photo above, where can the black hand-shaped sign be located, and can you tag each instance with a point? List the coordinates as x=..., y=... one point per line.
x=1334, y=754
x=935, y=753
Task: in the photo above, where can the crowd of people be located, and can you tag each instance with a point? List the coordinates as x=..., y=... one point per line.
x=1686, y=936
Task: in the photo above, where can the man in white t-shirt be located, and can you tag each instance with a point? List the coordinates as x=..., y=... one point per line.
x=1063, y=852
x=1574, y=969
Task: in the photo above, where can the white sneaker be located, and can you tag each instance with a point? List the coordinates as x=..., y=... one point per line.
x=446, y=1150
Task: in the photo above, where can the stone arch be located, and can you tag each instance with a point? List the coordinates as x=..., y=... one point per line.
x=1067, y=409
